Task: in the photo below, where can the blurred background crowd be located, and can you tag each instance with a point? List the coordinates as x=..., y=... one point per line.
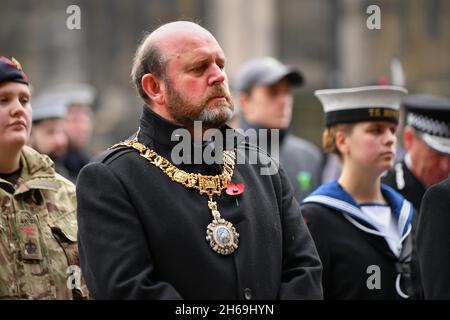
x=328, y=40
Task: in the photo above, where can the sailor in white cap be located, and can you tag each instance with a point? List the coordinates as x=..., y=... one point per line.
x=77, y=100
x=79, y=125
x=361, y=227
x=47, y=134
x=426, y=138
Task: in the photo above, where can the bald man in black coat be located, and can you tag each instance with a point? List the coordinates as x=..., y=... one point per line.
x=433, y=241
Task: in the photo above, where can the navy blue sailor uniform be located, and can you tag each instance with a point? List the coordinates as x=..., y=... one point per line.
x=352, y=248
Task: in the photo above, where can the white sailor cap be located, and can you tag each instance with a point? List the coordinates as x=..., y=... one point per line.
x=370, y=103
x=73, y=93
x=430, y=116
x=54, y=101
x=47, y=106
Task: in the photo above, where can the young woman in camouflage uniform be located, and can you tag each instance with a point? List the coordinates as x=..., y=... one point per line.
x=38, y=250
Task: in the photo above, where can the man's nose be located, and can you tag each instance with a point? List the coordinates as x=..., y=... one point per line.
x=284, y=98
x=218, y=75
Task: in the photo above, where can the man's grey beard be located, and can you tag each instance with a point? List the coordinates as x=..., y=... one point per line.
x=184, y=112
x=214, y=118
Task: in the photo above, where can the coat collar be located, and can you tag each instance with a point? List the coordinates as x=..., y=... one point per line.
x=334, y=196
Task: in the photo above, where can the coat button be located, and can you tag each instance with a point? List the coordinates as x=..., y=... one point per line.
x=248, y=294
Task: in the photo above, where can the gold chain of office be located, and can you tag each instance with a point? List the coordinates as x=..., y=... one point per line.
x=221, y=234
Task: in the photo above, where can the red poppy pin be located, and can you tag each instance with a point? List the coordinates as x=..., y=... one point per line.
x=235, y=189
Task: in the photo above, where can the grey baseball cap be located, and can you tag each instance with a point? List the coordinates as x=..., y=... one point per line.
x=266, y=71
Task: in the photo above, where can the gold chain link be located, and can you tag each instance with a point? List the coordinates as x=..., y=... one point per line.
x=210, y=185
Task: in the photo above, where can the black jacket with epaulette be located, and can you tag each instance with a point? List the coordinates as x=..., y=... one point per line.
x=142, y=236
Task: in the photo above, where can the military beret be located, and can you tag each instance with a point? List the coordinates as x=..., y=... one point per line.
x=370, y=103
x=430, y=116
x=11, y=70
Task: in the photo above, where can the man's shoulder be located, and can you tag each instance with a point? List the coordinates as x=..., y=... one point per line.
x=443, y=185
x=439, y=190
x=112, y=155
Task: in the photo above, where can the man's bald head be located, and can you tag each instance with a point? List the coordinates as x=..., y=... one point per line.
x=179, y=28
x=153, y=54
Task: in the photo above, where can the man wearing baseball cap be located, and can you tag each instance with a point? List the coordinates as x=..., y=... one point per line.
x=38, y=208
x=427, y=142
x=266, y=102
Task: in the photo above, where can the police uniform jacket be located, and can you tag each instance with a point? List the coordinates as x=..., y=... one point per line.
x=405, y=182
x=354, y=254
x=38, y=229
x=433, y=241
x=142, y=236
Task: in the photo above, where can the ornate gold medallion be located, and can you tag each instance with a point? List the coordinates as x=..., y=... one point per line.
x=220, y=234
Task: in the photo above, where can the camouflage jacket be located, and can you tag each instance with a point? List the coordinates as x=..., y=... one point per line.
x=38, y=231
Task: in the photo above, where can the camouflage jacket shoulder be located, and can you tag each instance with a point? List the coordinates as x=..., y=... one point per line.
x=39, y=229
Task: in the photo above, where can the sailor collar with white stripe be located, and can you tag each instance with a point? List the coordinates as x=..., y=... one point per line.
x=332, y=195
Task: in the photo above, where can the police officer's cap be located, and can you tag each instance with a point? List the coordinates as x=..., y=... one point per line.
x=266, y=71
x=370, y=103
x=11, y=70
x=430, y=116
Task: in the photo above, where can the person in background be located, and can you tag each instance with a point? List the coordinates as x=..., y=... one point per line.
x=426, y=138
x=78, y=125
x=48, y=135
x=266, y=102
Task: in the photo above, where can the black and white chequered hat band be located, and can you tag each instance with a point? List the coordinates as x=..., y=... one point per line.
x=429, y=125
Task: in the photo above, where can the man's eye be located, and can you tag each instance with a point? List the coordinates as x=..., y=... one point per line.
x=198, y=69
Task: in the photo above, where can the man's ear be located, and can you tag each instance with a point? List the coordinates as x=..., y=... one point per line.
x=408, y=138
x=153, y=87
